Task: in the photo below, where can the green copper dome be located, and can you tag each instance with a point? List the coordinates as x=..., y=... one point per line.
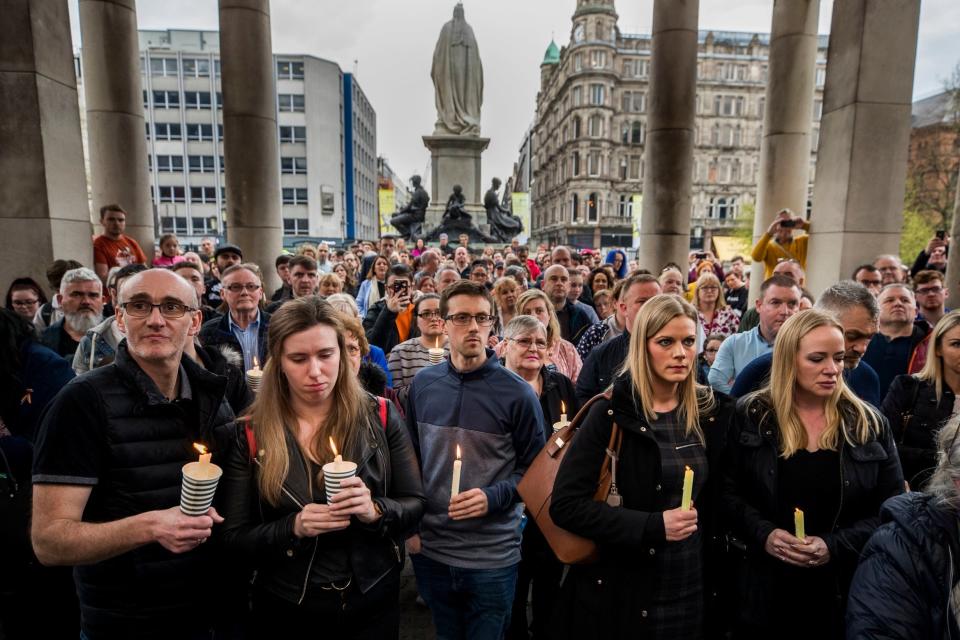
x=552, y=56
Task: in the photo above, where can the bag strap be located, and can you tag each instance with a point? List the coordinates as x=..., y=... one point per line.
x=382, y=402
x=251, y=438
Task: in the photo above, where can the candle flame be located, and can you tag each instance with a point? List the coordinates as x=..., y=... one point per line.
x=333, y=446
x=199, y=447
x=563, y=407
x=686, y=467
x=458, y=452
x=797, y=510
x=255, y=363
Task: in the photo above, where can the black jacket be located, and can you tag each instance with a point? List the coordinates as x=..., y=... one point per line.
x=237, y=393
x=602, y=366
x=609, y=599
x=915, y=416
x=871, y=474
x=902, y=588
x=257, y=531
x=217, y=332
x=380, y=327
x=578, y=323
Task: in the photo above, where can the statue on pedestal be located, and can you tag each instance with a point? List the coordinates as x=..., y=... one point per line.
x=409, y=221
x=457, y=220
x=503, y=224
x=457, y=78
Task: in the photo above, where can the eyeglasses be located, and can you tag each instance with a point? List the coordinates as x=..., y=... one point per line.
x=526, y=343
x=930, y=291
x=709, y=287
x=142, y=309
x=25, y=303
x=872, y=283
x=353, y=349
x=237, y=288
x=429, y=315
x=463, y=319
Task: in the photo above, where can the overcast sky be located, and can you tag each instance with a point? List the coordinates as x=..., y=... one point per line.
x=392, y=43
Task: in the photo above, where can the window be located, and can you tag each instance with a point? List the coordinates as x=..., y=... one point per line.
x=203, y=195
x=163, y=66
x=623, y=169
x=636, y=132
x=821, y=76
x=294, y=196
x=296, y=227
x=576, y=127
x=173, y=194
x=293, y=134
x=291, y=102
x=625, y=206
x=166, y=99
x=203, y=226
x=168, y=131
x=200, y=132
x=196, y=99
x=728, y=105
x=595, y=126
x=169, y=163
x=575, y=207
x=578, y=62
x=722, y=207
x=326, y=201
x=196, y=67
x=201, y=164
x=222, y=164
x=635, y=167
x=594, y=164
x=598, y=94
x=817, y=109
x=577, y=96
x=575, y=161
x=176, y=225
x=593, y=207
x=634, y=101
x=147, y=125
x=598, y=59
x=289, y=70
x=293, y=165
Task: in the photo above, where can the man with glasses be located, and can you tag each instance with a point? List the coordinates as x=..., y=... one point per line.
x=869, y=276
x=108, y=469
x=468, y=550
x=81, y=300
x=390, y=321
x=891, y=269
x=409, y=357
x=931, y=296
x=244, y=327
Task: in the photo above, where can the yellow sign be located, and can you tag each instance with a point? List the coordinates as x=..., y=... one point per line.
x=520, y=206
x=637, y=216
x=388, y=205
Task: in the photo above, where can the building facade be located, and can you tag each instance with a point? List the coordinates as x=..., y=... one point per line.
x=322, y=113
x=588, y=138
x=934, y=156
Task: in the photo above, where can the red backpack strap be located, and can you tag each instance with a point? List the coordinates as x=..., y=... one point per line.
x=383, y=412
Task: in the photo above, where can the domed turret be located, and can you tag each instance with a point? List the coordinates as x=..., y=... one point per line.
x=552, y=55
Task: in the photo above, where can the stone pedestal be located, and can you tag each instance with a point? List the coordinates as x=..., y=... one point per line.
x=667, y=203
x=115, y=120
x=250, y=146
x=42, y=182
x=455, y=160
x=785, y=148
x=864, y=134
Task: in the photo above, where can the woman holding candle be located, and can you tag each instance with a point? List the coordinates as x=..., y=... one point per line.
x=526, y=339
x=337, y=562
x=807, y=443
x=656, y=575
x=561, y=354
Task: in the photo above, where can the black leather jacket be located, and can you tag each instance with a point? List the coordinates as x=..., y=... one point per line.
x=257, y=530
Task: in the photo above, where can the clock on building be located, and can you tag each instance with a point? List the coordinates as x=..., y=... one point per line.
x=578, y=33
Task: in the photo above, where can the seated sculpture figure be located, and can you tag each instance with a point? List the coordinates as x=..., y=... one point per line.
x=409, y=221
x=503, y=224
x=457, y=220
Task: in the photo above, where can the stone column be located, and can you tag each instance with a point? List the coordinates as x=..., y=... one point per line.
x=864, y=135
x=665, y=228
x=785, y=148
x=115, y=122
x=43, y=187
x=250, y=145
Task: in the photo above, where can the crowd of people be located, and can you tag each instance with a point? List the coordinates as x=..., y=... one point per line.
x=785, y=466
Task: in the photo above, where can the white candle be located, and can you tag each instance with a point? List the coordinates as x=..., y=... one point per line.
x=457, y=465
x=204, y=456
x=687, y=489
x=563, y=418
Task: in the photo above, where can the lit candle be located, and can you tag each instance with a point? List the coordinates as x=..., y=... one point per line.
x=798, y=524
x=687, y=489
x=563, y=418
x=254, y=376
x=455, y=487
x=435, y=353
x=336, y=455
x=204, y=456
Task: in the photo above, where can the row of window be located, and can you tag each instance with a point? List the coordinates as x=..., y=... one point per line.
x=286, y=102
x=173, y=131
x=205, y=164
x=200, y=68
x=178, y=224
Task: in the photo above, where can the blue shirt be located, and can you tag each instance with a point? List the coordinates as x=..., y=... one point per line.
x=863, y=380
x=735, y=353
x=248, y=339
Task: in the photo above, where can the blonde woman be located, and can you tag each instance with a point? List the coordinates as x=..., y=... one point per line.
x=715, y=315
x=505, y=293
x=656, y=576
x=805, y=442
x=917, y=406
x=337, y=562
x=560, y=353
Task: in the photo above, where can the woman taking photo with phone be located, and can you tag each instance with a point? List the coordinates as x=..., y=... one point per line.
x=655, y=576
x=331, y=564
x=809, y=466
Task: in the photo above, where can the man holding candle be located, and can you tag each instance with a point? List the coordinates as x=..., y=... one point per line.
x=409, y=357
x=467, y=553
x=107, y=473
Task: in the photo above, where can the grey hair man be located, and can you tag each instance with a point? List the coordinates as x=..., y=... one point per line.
x=81, y=299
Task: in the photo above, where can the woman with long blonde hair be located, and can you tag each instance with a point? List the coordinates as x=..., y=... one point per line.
x=715, y=315
x=656, y=576
x=561, y=354
x=916, y=406
x=337, y=561
x=805, y=442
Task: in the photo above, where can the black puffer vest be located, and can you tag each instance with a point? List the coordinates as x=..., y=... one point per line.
x=150, y=439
